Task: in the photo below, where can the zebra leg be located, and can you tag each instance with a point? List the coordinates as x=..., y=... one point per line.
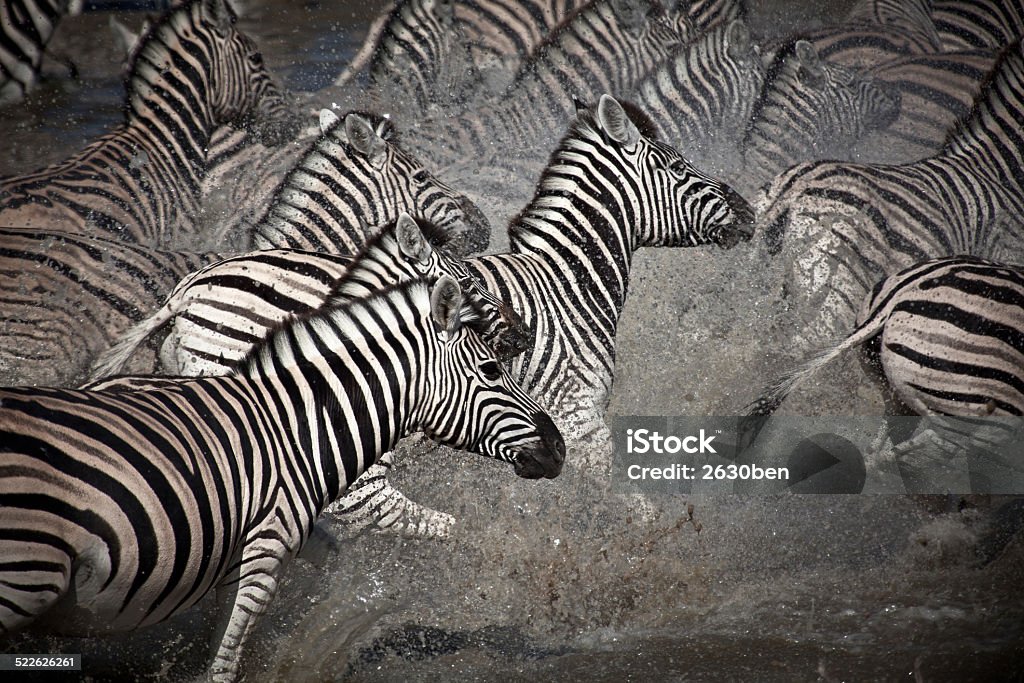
x=931, y=463
x=372, y=500
x=244, y=595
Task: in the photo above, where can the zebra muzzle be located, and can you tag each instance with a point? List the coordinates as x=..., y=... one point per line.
x=741, y=229
x=516, y=338
x=543, y=458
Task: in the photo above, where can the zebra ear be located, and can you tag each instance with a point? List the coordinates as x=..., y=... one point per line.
x=328, y=119
x=411, y=241
x=446, y=304
x=810, y=63
x=615, y=123
x=365, y=140
x=737, y=40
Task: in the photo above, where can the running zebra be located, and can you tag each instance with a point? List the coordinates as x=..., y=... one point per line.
x=26, y=27
x=843, y=226
x=950, y=335
x=192, y=72
x=809, y=109
x=110, y=285
x=120, y=509
x=702, y=96
x=630, y=36
x=969, y=24
x=607, y=191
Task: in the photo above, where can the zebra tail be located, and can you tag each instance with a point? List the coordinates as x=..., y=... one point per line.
x=113, y=360
x=369, y=46
x=772, y=396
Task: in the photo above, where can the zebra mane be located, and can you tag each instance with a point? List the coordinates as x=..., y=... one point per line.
x=963, y=127
x=773, y=72
x=146, y=41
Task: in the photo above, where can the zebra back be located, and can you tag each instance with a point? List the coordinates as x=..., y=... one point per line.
x=972, y=24
x=810, y=108
x=192, y=71
x=221, y=312
x=67, y=297
x=702, y=96
x=216, y=482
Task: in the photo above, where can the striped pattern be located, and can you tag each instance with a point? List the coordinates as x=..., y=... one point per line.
x=966, y=24
x=809, y=109
x=120, y=509
x=140, y=183
x=702, y=96
x=950, y=336
x=607, y=191
x=26, y=26
x=220, y=313
x=936, y=91
x=68, y=297
x=606, y=47
x=843, y=226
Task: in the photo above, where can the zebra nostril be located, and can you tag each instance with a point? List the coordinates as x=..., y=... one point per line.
x=476, y=232
x=552, y=438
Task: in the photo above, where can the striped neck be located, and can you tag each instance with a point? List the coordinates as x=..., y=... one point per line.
x=991, y=137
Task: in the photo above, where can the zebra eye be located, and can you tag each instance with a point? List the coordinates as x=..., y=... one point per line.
x=679, y=166
x=420, y=177
x=491, y=370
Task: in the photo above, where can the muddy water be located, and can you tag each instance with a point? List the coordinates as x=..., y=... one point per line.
x=564, y=580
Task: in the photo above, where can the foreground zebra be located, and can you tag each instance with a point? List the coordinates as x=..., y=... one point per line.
x=843, y=226
x=141, y=182
x=121, y=509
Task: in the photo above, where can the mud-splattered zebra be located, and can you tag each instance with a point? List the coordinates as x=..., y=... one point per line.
x=841, y=227
x=192, y=72
x=26, y=27
x=119, y=509
x=967, y=24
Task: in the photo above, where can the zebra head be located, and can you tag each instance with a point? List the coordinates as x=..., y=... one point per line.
x=400, y=182
x=674, y=203
x=196, y=58
x=497, y=323
x=838, y=104
x=474, y=404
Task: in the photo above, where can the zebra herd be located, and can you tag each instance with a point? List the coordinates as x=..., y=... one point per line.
x=342, y=302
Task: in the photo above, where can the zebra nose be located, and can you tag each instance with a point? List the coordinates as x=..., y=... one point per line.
x=741, y=229
x=552, y=439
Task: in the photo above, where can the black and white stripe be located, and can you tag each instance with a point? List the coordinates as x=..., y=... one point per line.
x=607, y=191
x=843, y=226
x=949, y=334
x=26, y=27
x=967, y=24
x=119, y=509
x=192, y=72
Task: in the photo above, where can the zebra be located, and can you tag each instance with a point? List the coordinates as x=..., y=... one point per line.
x=120, y=509
x=607, y=190
x=568, y=270
x=967, y=24
x=219, y=314
x=702, y=96
x=516, y=132
x=140, y=183
x=948, y=335
x=26, y=27
x=842, y=226
x=110, y=285
x=936, y=91
x=810, y=108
